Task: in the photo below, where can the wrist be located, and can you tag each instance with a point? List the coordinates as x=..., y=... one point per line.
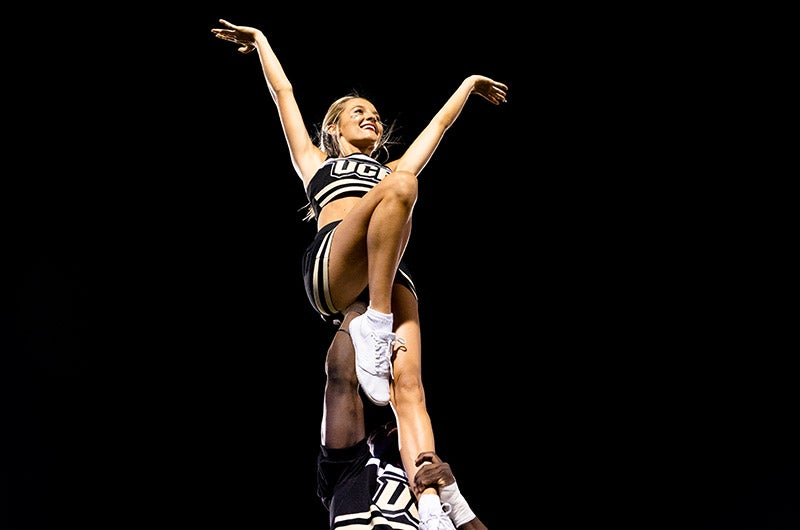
x=460, y=512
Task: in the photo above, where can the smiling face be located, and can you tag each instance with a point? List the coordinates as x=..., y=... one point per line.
x=358, y=127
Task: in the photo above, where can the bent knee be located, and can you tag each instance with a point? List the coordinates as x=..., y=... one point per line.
x=408, y=389
x=403, y=185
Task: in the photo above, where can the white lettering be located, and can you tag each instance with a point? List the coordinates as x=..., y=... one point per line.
x=343, y=168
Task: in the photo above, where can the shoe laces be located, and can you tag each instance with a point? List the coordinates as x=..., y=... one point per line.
x=439, y=521
x=382, y=345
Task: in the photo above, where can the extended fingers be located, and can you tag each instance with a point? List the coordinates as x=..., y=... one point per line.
x=499, y=91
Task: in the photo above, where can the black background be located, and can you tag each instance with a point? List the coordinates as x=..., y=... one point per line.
x=595, y=351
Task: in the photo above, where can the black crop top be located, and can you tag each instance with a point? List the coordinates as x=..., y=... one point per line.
x=351, y=176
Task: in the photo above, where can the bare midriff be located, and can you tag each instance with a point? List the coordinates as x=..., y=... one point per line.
x=336, y=210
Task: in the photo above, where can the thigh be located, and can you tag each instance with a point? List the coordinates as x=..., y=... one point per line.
x=347, y=259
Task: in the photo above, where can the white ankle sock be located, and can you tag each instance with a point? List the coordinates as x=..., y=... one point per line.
x=379, y=321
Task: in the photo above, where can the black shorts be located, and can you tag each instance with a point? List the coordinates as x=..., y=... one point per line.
x=315, y=274
x=336, y=467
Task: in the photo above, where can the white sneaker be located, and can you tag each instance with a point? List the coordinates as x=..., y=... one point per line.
x=438, y=521
x=373, y=359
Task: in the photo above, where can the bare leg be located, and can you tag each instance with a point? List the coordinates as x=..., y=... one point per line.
x=370, y=240
x=389, y=230
x=365, y=250
x=407, y=392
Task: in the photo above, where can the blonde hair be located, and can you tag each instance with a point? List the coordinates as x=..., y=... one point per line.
x=330, y=143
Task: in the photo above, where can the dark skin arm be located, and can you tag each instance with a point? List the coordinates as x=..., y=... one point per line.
x=439, y=474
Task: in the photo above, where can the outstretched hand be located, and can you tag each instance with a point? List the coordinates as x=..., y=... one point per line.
x=492, y=91
x=243, y=35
